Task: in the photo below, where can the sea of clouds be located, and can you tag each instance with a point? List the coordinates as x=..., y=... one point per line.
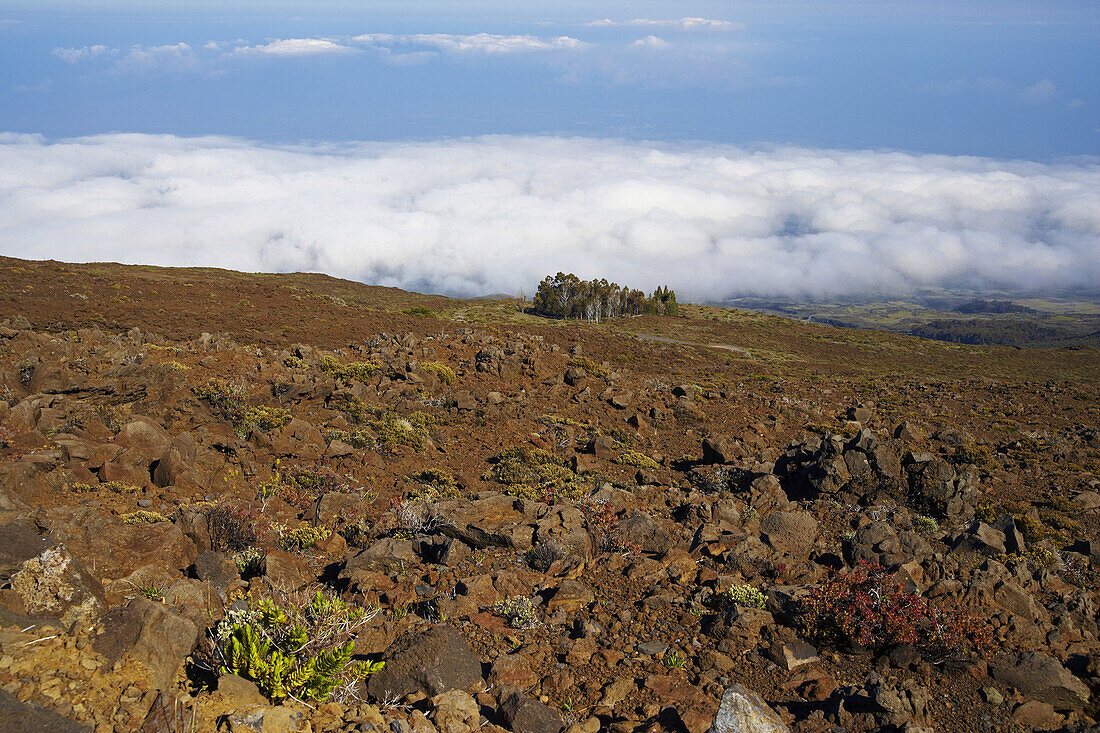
x=495, y=214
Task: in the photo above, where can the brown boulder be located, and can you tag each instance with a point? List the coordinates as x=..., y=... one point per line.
x=112, y=549
x=150, y=634
x=494, y=520
x=571, y=596
x=429, y=662
x=286, y=572
x=521, y=713
x=791, y=534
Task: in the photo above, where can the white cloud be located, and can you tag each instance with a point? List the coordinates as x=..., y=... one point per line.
x=139, y=59
x=682, y=24
x=83, y=53
x=1040, y=93
x=170, y=57
x=41, y=87
x=651, y=42
x=495, y=214
x=477, y=43
x=295, y=47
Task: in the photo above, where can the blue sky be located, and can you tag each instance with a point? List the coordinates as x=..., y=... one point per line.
x=757, y=148
x=1003, y=79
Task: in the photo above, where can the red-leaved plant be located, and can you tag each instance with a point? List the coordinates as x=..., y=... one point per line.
x=868, y=607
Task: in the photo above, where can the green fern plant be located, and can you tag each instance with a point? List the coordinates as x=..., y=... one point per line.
x=296, y=648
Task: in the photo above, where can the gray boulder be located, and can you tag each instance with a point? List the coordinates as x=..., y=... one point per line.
x=743, y=711
x=1043, y=678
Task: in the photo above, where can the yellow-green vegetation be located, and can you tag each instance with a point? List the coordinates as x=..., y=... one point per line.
x=589, y=366
x=1036, y=558
x=1059, y=521
x=264, y=419
x=925, y=525
x=249, y=561
x=143, y=516
x=303, y=537
x=1026, y=451
x=561, y=420
x=638, y=460
x=533, y=473
x=411, y=430
x=520, y=612
x=227, y=401
x=175, y=366
x=355, y=438
x=357, y=370
x=746, y=596
x=355, y=409
x=1028, y=523
x=847, y=431
x=116, y=487
x=294, y=362
x=444, y=372
x=293, y=648
x=419, y=311
x=979, y=454
x=300, y=486
x=433, y=484
x=152, y=592
x=672, y=660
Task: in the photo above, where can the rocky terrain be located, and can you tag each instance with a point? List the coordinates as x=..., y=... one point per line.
x=450, y=516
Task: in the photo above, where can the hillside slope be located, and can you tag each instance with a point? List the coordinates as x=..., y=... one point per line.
x=604, y=526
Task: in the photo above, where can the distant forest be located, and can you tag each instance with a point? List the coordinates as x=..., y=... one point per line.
x=992, y=306
x=987, y=331
x=567, y=296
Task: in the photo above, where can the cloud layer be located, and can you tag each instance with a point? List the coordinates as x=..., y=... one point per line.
x=687, y=24
x=496, y=214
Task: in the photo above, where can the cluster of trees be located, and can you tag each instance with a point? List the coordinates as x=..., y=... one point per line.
x=987, y=331
x=993, y=306
x=567, y=296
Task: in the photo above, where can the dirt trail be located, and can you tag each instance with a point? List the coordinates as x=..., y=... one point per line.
x=667, y=340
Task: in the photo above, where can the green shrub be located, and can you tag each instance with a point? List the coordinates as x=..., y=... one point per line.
x=250, y=562
x=358, y=370
x=300, y=486
x=419, y=311
x=433, y=484
x=444, y=372
x=303, y=537
x=589, y=366
x=925, y=525
x=411, y=430
x=263, y=419
x=227, y=402
x=672, y=660
x=114, y=486
x=152, y=592
x=143, y=517
x=520, y=612
x=638, y=460
x=534, y=473
x=355, y=438
x=746, y=596
x=292, y=648
x=355, y=409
